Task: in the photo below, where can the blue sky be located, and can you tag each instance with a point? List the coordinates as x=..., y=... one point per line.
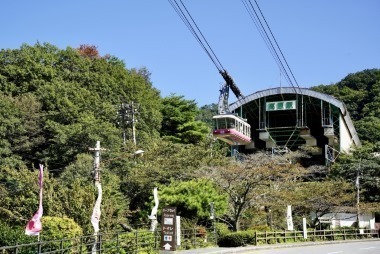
x=322, y=40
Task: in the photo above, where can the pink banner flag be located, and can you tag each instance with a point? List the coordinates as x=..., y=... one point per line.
x=34, y=226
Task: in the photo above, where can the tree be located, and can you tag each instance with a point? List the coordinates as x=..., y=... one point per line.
x=368, y=128
x=59, y=102
x=251, y=183
x=163, y=162
x=179, y=122
x=206, y=113
x=23, y=184
x=90, y=51
x=193, y=198
x=360, y=92
x=319, y=198
x=75, y=195
x=10, y=128
x=365, y=164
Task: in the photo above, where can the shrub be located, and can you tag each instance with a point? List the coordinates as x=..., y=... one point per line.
x=130, y=242
x=59, y=228
x=13, y=235
x=221, y=229
x=234, y=239
x=237, y=239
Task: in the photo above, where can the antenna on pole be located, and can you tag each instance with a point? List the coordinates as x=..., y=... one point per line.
x=127, y=112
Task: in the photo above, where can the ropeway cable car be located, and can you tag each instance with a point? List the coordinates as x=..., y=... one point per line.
x=232, y=129
x=229, y=127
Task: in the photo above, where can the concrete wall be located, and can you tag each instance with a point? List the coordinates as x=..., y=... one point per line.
x=345, y=139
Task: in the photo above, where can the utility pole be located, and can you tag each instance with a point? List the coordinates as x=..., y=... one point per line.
x=128, y=112
x=132, y=111
x=357, y=184
x=96, y=170
x=95, y=217
x=122, y=112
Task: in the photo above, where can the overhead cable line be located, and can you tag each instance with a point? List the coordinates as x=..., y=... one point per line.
x=194, y=29
x=275, y=50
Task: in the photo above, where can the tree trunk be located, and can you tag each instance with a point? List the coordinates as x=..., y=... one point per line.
x=236, y=223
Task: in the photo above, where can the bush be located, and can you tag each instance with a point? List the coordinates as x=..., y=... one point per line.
x=130, y=242
x=52, y=228
x=237, y=239
x=62, y=229
x=231, y=240
x=221, y=229
x=59, y=228
x=12, y=235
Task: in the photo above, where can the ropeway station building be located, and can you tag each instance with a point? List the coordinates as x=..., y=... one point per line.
x=288, y=118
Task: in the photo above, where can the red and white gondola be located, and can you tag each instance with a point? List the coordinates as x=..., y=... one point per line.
x=231, y=129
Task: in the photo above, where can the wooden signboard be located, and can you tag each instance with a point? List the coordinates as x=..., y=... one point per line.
x=168, y=232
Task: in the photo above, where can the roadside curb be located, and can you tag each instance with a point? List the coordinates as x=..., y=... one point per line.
x=226, y=250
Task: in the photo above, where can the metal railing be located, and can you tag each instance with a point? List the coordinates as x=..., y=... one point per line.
x=148, y=242
x=119, y=242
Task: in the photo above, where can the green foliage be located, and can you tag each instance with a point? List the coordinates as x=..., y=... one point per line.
x=251, y=182
x=179, y=124
x=261, y=228
x=237, y=239
x=221, y=229
x=65, y=100
x=56, y=103
x=13, y=235
x=76, y=192
x=369, y=128
x=133, y=242
x=22, y=184
x=59, y=228
x=163, y=162
x=10, y=131
x=193, y=198
x=234, y=239
x=361, y=93
x=365, y=162
x=318, y=198
x=206, y=113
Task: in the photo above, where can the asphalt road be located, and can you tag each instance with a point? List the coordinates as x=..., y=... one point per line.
x=370, y=247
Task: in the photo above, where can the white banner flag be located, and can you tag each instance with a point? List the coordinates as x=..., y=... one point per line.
x=289, y=219
x=95, y=217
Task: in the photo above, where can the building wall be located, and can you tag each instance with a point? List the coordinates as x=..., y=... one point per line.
x=345, y=139
x=366, y=220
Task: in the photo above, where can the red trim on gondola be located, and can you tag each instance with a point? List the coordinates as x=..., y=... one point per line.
x=231, y=136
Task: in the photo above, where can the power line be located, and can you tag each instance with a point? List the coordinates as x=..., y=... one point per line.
x=186, y=17
x=270, y=41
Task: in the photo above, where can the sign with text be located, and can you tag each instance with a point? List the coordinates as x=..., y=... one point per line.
x=168, y=232
x=281, y=105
